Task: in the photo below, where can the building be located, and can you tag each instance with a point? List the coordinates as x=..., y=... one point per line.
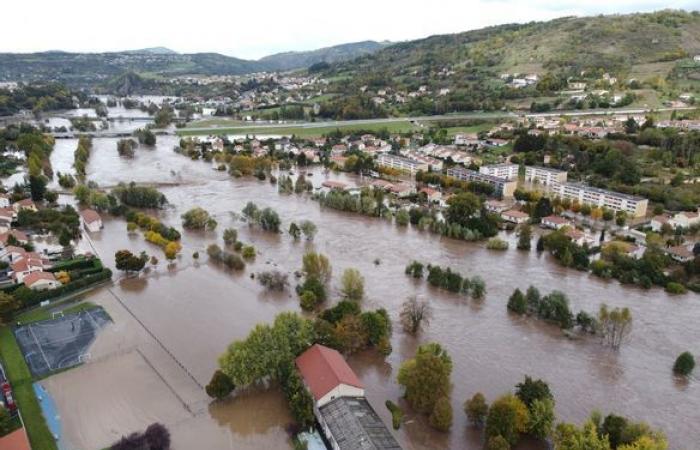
x=544, y=175
x=41, y=281
x=330, y=185
x=508, y=171
x=19, y=236
x=346, y=418
x=433, y=195
x=91, y=220
x=632, y=205
x=24, y=204
x=4, y=201
x=555, y=222
x=515, y=216
x=503, y=187
x=681, y=253
x=401, y=163
x=684, y=219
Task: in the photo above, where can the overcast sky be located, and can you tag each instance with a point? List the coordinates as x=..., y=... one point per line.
x=252, y=29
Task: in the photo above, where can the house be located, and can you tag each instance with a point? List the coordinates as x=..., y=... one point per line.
x=496, y=206
x=25, y=266
x=579, y=237
x=92, y=221
x=381, y=184
x=680, y=253
x=684, y=219
x=331, y=185
x=24, y=204
x=433, y=195
x=19, y=236
x=515, y=216
x=555, y=222
x=4, y=201
x=11, y=253
x=402, y=190
x=41, y=281
x=346, y=418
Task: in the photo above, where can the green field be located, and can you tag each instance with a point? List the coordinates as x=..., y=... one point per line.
x=399, y=126
x=40, y=436
x=39, y=314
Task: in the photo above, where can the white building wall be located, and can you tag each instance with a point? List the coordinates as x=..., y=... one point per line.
x=342, y=390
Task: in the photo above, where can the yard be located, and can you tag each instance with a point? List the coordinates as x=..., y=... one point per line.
x=21, y=380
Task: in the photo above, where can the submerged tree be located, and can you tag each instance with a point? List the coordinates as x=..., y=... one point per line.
x=615, y=325
x=414, y=315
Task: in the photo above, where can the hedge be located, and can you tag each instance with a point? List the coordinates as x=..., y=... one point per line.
x=75, y=264
x=30, y=298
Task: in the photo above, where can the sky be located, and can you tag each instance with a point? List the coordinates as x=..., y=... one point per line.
x=252, y=29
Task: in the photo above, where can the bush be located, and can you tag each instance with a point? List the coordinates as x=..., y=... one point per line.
x=441, y=416
x=497, y=244
x=274, y=280
x=396, y=414
x=308, y=300
x=220, y=385
x=476, y=409
x=684, y=365
x=675, y=288
x=415, y=269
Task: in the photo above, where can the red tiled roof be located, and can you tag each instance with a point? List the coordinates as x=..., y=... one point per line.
x=555, y=219
x=90, y=215
x=515, y=214
x=323, y=369
x=17, y=440
x=20, y=236
x=15, y=249
x=36, y=276
x=334, y=184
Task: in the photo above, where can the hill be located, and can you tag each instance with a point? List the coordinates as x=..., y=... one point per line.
x=337, y=53
x=153, y=51
x=475, y=69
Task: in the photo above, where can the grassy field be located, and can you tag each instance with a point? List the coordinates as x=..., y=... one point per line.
x=39, y=314
x=400, y=126
x=18, y=373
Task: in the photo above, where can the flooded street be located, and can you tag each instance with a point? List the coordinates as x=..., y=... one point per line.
x=196, y=309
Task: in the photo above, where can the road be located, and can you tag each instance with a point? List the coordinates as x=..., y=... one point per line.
x=474, y=115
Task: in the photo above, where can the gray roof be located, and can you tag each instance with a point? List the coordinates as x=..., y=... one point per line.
x=356, y=426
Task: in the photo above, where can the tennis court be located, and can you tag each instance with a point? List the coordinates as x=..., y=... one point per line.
x=61, y=342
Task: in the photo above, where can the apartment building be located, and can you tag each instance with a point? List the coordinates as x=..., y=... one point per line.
x=507, y=171
x=616, y=201
x=544, y=175
x=401, y=163
x=503, y=187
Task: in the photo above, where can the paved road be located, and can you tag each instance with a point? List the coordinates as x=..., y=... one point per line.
x=474, y=115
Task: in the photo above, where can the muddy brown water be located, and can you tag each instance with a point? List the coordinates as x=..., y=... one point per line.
x=197, y=309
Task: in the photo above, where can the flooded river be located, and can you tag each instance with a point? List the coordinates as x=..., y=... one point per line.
x=195, y=310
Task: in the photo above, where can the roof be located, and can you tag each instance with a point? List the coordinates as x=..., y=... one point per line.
x=515, y=214
x=555, y=219
x=15, y=249
x=19, y=235
x=25, y=264
x=90, y=215
x=681, y=251
x=334, y=184
x=356, y=426
x=323, y=369
x=17, y=440
x=26, y=202
x=38, y=276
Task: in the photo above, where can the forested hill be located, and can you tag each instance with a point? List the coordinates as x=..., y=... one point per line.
x=499, y=66
x=618, y=43
x=90, y=69
x=337, y=53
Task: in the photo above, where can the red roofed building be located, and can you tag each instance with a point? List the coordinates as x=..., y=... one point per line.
x=17, y=440
x=555, y=222
x=21, y=237
x=40, y=281
x=327, y=375
x=91, y=220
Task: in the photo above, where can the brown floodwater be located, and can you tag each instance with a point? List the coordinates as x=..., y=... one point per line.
x=196, y=309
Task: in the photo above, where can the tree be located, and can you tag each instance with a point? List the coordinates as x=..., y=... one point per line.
x=157, y=437
x=684, y=365
x=497, y=443
x=615, y=324
x=220, y=385
x=309, y=229
x=171, y=250
x=274, y=280
x=294, y=231
x=477, y=287
x=230, y=236
x=353, y=284
x=270, y=220
x=414, y=315
x=198, y=219
x=570, y=437
x=508, y=417
x=476, y=409
x=8, y=305
x=524, y=237
x=415, y=269
x=461, y=207
x=530, y=390
x=541, y=418
x=128, y=262
x=308, y=300
x=517, y=302
x=540, y=244
x=426, y=377
x=402, y=218
x=316, y=265
x=6, y=424
x=441, y=416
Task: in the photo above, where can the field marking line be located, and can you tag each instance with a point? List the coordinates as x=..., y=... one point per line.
x=41, y=349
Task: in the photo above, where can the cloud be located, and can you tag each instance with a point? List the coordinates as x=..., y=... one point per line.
x=254, y=29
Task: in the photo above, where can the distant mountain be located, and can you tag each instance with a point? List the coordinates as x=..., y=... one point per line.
x=337, y=53
x=153, y=51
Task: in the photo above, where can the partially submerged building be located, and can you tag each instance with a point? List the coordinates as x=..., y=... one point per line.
x=346, y=418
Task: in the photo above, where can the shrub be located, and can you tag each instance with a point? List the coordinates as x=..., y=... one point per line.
x=220, y=385
x=415, y=269
x=675, y=288
x=684, y=365
x=497, y=244
x=441, y=416
x=308, y=300
x=274, y=280
x=396, y=414
x=476, y=409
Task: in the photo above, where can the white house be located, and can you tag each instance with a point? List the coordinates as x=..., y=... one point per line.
x=25, y=266
x=4, y=201
x=684, y=219
x=41, y=281
x=92, y=221
x=555, y=222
